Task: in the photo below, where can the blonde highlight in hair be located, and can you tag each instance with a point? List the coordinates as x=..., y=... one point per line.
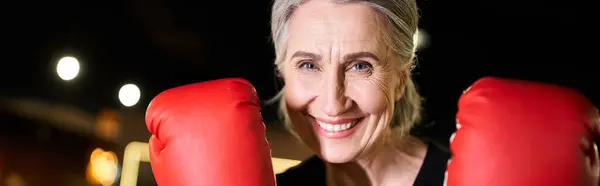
x=402, y=20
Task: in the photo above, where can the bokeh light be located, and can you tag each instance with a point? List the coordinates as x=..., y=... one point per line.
x=129, y=95
x=107, y=124
x=67, y=68
x=103, y=167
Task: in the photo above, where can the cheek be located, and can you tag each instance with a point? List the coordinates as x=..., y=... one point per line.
x=369, y=98
x=300, y=90
x=373, y=95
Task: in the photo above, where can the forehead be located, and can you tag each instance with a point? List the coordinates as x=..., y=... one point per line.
x=321, y=23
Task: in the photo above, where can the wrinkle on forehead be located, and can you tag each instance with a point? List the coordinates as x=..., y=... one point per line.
x=321, y=24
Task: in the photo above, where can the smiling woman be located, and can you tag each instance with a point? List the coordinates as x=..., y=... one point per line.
x=348, y=92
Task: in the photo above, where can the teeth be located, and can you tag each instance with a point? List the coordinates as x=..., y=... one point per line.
x=336, y=127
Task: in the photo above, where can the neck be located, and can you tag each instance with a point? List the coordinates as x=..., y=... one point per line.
x=392, y=160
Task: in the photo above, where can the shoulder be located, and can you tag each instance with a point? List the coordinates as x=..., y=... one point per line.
x=439, y=148
x=438, y=156
x=310, y=172
x=429, y=133
x=434, y=166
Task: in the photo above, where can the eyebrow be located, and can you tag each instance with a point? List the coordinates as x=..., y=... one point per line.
x=304, y=54
x=358, y=55
x=347, y=57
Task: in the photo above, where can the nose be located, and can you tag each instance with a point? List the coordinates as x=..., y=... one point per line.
x=333, y=95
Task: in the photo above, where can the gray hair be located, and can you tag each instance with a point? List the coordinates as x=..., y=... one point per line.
x=402, y=17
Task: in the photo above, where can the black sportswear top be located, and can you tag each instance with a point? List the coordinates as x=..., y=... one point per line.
x=312, y=171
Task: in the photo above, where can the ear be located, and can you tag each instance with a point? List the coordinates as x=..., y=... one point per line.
x=401, y=84
x=278, y=77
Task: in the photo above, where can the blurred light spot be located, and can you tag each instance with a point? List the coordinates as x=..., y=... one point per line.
x=103, y=167
x=420, y=39
x=67, y=68
x=129, y=95
x=107, y=124
x=14, y=179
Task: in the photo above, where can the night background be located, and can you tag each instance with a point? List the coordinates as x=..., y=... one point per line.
x=49, y=127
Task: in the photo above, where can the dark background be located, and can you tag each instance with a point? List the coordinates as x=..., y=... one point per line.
x=160, y=44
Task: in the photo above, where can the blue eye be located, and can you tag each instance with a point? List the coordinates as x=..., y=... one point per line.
x=361, y=66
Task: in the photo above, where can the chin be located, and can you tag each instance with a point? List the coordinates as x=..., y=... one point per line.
x=337, y=156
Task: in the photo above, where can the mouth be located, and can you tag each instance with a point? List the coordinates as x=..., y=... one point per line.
x=329, y=127
x=336, y=129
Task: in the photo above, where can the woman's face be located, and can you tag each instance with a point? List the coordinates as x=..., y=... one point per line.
x=341, y=80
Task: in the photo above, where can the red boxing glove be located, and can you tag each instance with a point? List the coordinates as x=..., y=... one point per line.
x=209, y=134
x=519, y=133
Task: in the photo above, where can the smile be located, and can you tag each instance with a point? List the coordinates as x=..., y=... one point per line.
x=336, y=129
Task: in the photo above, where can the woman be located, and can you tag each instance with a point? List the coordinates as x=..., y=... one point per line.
x=349, y=95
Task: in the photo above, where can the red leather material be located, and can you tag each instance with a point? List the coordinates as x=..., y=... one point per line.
x=209, y=134
x=520, y=133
